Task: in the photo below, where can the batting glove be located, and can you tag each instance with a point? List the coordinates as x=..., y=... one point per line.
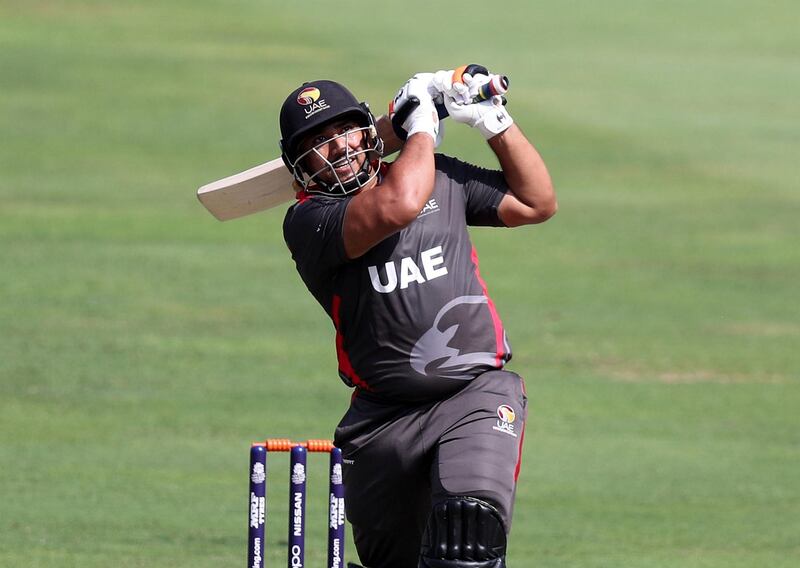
x=442, y=84
x=464, y=91
x=424, y=117
x=490, y=117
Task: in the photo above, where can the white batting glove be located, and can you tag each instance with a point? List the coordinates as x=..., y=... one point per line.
x=442, y=84
x=424, y=118
x=490, y=117
x=473, y=83
x=462, y=92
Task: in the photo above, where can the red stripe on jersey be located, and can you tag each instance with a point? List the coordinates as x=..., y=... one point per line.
x=301, y=196
x=519, y=454
x=498, y=325
x=345, y=366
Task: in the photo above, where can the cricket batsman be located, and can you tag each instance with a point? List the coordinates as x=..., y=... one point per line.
x=433, y=436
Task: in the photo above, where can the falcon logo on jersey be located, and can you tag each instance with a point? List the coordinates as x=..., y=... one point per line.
x=506, y=417
x=506, y=414
x=437, y=353
x=431, y=259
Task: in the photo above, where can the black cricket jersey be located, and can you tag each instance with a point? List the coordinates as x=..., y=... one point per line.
x=413, y=318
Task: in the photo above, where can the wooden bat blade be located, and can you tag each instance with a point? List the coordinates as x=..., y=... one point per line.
x=247, y=192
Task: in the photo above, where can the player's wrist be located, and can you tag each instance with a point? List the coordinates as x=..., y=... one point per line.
x=423, y=120
x=425, y=136
x=428, y=129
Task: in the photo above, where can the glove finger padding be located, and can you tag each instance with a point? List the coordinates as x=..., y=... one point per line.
x=424, y=117
x=473, y=84
x=442, y=84
x=415, y=87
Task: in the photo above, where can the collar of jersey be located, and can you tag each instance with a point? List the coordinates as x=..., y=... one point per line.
x=303, y=195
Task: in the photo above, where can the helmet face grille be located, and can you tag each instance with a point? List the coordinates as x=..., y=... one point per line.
x=349, y=173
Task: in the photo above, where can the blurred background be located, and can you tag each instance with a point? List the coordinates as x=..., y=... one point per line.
x=144, y=345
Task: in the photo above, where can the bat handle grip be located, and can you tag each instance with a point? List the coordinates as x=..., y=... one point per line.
x=497, y=85
x=473, y=69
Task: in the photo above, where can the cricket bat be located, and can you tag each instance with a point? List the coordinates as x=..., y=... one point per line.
x=270, y=184
x=257, y=189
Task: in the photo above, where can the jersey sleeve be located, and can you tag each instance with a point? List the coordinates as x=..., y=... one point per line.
x=483, y=189
x=313, y=232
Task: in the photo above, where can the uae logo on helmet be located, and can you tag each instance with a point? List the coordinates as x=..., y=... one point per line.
x=308, y=96
x=505, y=420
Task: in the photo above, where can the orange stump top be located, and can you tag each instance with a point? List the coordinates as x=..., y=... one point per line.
x=286, y=445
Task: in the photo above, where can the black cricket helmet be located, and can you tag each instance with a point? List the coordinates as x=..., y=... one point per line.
x=311, y=107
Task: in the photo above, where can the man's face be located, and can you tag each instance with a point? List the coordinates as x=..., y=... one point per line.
x=338, y=144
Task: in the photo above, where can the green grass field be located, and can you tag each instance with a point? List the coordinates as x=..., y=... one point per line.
x=143, y=344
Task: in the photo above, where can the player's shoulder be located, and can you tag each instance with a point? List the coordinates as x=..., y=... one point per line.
x=457, y=170
x=311, y=205
x=309, y=211
x=445, y=163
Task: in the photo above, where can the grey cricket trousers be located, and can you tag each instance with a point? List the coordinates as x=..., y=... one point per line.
x=399, y=460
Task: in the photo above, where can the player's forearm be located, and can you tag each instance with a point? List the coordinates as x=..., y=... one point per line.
x=525, y=171
x=410, y=179
x=382, y=210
